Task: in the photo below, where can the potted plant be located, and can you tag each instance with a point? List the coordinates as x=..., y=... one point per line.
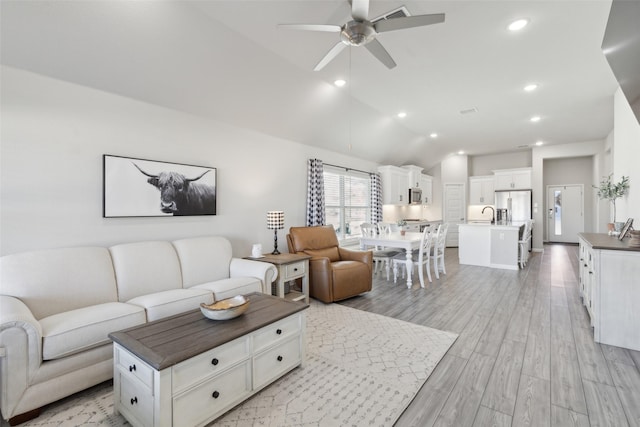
x=401, y=224
x=610, y=191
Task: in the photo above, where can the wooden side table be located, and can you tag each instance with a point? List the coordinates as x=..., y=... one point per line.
x=290, y=267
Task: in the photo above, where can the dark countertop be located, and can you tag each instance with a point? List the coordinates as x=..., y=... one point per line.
x=604, y=241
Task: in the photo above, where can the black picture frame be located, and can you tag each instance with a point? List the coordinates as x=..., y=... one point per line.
x=625, y=228
x=135, y=187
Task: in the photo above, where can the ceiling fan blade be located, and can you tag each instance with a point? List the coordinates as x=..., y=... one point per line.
x=329, y=56
x=376, y=48
x=311, y=27
x=360, y=9
x=408, y=22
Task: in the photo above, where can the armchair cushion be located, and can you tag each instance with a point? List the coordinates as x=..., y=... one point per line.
x=332, y=253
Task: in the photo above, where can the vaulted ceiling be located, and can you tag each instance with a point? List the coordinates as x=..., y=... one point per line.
x=229, y=61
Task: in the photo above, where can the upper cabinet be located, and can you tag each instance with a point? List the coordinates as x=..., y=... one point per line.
x=396, y=182
x=513, y=179
x=395, y=185
x=481, y=190
x=426, y=183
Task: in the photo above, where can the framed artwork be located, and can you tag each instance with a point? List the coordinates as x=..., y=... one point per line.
x=137, y=187
x=625, y=228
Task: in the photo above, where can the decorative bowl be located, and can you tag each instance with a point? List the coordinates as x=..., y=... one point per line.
x=225, y=309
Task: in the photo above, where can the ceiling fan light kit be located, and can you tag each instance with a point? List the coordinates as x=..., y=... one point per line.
x=362, y=32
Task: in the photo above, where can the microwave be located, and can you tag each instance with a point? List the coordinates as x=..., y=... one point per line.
x=415, y=196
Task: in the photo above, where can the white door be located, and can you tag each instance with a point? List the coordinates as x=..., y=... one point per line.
x=454, y=210
x=565, y=208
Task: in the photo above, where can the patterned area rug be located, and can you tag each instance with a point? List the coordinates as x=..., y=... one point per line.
x=361, y=369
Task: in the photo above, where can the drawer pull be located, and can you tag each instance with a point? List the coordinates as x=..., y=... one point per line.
x=214, y=361
x=215, y=394
x=132, y=368
x=279, y=331
x=295, y=269
x=134, y=400
x=279, y=358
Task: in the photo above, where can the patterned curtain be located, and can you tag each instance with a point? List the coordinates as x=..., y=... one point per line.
x=376, y=198
x=315, y=193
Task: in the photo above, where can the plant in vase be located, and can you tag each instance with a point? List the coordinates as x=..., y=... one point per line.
x=401, y=226
x=607, y=190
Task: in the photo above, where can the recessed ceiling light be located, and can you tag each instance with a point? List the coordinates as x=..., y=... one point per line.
x=434, y=135
x=402, y=114
x=518, y=24
x=539, y=143
x=340, y=82
x=531, y=87
x=461, y=152
x=535, y=119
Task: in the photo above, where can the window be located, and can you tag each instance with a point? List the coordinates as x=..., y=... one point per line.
x=347, y=201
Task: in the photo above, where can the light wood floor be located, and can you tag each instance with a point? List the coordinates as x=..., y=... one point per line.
x=525, y=354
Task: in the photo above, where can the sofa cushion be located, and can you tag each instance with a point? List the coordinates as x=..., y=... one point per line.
x=73, y=331
x=145, y=268
x=228, y=288
x=203, y=259
x=45, y=280
x=167, y=303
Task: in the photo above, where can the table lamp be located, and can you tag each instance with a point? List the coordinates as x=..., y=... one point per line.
x=275, y=222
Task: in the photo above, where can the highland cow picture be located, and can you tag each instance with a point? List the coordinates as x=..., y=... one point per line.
x=136, y=187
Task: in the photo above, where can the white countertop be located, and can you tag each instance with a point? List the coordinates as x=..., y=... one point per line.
x=509, y=226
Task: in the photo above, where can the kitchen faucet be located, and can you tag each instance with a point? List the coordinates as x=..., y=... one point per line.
x=493, y=213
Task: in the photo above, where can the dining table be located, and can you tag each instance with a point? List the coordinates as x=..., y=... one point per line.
x=408, y=241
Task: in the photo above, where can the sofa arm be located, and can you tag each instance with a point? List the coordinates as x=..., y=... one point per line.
x=265, y=271
x=20, y=351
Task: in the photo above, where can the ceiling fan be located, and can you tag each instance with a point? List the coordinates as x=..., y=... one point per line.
x=362, y=32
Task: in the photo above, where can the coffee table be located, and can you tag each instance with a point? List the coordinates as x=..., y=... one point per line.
x=187, y=370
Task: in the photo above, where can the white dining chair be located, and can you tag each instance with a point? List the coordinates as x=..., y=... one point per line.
x=523, y=244
x=422, y=262
x=439, y=247
x=381, y=256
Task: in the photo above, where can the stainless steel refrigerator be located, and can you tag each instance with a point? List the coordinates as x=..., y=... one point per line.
x=517, y=203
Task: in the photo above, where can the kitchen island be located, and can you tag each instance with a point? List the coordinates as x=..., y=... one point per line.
x=489, y=245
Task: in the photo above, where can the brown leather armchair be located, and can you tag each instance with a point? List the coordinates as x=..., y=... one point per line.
x=335, y=273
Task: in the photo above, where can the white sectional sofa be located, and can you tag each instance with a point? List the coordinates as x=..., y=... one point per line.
x=58, y=306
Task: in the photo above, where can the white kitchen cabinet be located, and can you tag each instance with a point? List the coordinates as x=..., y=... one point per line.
x=426, y=184
x=395, y=185
x=513, y=179
x=414, y=175
x=608, y=274
x=481, y=190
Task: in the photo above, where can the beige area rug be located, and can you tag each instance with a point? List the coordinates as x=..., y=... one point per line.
x=361, y=369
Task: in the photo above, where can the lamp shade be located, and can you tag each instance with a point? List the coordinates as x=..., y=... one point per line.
x=275, y=220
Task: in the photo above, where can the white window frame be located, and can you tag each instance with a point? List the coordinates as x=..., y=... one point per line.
x=351, y=239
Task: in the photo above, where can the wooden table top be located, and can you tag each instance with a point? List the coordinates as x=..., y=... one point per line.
x=166, y=342
x=604, y=241
x=281, y=259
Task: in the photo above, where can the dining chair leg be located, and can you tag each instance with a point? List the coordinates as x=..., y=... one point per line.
x=395, y=272
x=388, y=267
x=428, y=268
x=421, y=276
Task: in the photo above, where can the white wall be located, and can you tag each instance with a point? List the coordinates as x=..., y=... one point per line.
x=55, y=133
x=626, y=157
x=485, y=165
x=539, y=155
x=570, y=171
